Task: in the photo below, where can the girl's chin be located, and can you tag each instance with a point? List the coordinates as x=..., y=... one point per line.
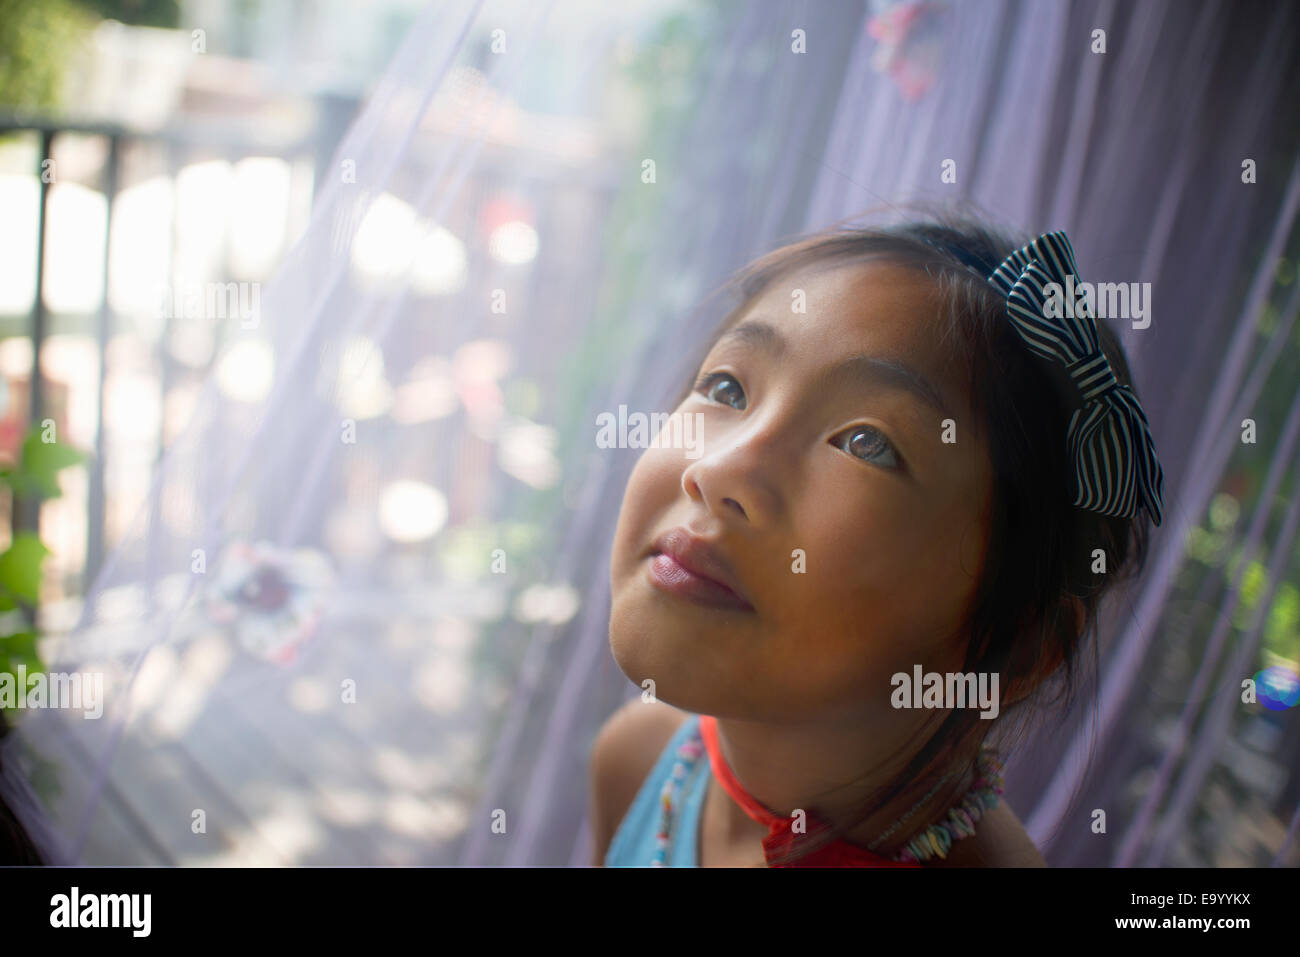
x=650, y=661
x=671, y=672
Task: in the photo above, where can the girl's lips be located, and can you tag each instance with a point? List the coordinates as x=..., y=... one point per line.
x=666, y=574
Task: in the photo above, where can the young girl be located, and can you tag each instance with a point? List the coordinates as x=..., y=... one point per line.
x=915, y=459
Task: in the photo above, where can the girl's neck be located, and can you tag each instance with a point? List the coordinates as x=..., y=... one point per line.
x=783, y=777
x=904, y=819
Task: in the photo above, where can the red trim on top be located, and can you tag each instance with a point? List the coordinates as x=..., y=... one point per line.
x=780, y=837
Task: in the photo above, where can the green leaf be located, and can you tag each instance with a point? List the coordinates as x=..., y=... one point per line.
x=42, y=461
x=20, y=567
x=19, y=649
x=20, y=646
x=20, y=482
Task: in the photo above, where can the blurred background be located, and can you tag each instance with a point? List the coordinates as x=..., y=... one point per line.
x=210, y=142
x=308, y=308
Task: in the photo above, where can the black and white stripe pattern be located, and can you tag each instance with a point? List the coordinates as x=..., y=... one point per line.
x=1115, y=463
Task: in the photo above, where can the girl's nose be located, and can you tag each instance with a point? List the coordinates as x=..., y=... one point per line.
x=738, y=474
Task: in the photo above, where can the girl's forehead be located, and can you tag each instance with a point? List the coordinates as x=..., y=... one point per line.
x=871, y=305
x=821, y=315
x=874, y=281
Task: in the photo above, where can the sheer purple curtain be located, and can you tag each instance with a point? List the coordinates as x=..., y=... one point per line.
x=1137, y=153
x=468, y=699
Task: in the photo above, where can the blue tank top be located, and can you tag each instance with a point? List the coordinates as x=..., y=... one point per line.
x=634, y=842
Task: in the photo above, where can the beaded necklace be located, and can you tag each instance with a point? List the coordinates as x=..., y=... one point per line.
x=687, y=754
x=934, y=841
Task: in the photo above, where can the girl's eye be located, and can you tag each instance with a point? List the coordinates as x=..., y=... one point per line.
x=706, y=384
x=864, y=441
x=867, y=443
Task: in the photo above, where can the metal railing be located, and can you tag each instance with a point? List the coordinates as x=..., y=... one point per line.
x=233, y=140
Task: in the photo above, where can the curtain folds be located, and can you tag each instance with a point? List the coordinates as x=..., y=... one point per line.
x=412, y=435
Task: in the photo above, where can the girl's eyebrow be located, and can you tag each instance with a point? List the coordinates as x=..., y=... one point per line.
x=860, y=371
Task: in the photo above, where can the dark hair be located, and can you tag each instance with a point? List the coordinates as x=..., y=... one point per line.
x=1036, y=606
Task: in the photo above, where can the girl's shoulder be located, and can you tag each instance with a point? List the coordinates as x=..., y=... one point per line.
x=622, y=755
x=633, y=736
x=1000, y=840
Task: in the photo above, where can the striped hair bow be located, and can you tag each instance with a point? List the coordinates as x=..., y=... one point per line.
x=1109, y=441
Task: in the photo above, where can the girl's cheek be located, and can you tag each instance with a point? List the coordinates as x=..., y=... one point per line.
x=658, y=474
x=650, y=492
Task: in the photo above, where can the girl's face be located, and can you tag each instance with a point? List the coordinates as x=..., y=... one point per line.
x=853, y=514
